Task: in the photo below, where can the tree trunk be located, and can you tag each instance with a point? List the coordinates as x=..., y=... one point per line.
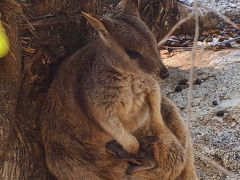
x=42, y=33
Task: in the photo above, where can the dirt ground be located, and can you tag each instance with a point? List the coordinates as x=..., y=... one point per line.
x=215, y=123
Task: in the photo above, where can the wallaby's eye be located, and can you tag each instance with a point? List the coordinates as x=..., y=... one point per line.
x=133, y=54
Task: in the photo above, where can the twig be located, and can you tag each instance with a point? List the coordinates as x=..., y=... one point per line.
x=26, y=38
x=196, y=36
x=28, y=50
x=174, y=28
x=215, y=164
x=28, y=21
x=184, y=48
x=42, y=17
x=45, y=22
x=11, y=53
x=5, y=24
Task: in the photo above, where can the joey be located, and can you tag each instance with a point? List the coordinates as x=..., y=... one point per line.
x=144, y=160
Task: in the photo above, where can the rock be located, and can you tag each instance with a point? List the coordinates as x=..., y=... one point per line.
x=221, y=39
x=178, y=88
x=183, y=82
x=198, y=81
x=228, y=44
x=215, y=103
x=168, y=43
x=232, y=5
x=209, y=39
x=170, y=49
x=220, y=26
x=189, y=38
x=233, y=124
x=234, y=102
x=175, y=44
x=220, y=113
x=210, y=20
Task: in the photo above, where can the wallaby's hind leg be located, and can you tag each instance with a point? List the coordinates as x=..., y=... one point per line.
x=188, y=172
x=64, y=167
x=176, y=124
x=172, y=154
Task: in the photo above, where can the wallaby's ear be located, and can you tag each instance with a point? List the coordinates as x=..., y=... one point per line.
x=130, y=6
x=96, y=22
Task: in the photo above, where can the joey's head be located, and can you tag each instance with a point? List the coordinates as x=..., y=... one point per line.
x=136, y=43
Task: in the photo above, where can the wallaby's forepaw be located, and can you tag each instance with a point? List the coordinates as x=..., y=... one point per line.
x=148, y=140
x=132, y=145
x=145, y=159
x=116, y=149
x=147, y=156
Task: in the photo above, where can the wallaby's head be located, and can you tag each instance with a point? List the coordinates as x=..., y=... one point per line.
x=136, y=42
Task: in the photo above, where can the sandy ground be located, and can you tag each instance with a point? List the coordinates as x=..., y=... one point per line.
x=218, y=137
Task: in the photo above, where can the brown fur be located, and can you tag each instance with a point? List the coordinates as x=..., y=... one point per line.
x=109, y=90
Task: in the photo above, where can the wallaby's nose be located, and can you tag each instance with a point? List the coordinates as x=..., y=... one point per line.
x=164, y=74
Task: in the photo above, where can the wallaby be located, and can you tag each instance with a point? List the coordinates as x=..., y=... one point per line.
x=109, y=91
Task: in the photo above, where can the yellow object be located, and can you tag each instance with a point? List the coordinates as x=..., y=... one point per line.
x=4, y=44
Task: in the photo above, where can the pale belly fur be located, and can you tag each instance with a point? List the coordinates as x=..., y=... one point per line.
x=135, y=114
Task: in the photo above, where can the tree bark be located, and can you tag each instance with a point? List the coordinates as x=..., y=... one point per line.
x=42, y=33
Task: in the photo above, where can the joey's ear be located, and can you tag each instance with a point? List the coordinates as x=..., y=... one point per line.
x=96, y=22
x=130, y=6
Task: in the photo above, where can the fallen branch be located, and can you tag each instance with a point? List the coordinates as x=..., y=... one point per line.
x=44, y=22
x=227, y=41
